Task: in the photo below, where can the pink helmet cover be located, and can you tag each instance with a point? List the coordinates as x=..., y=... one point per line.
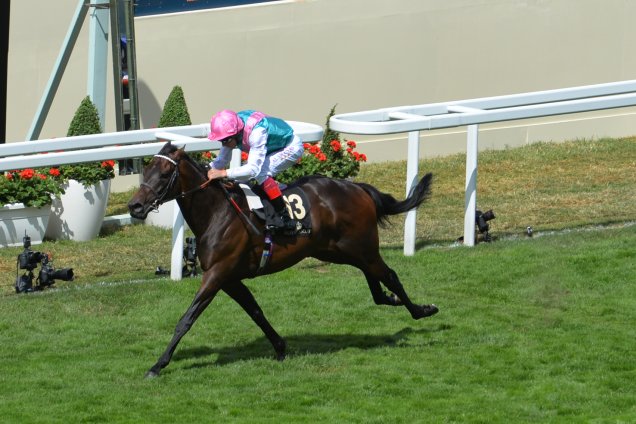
x=224, y=124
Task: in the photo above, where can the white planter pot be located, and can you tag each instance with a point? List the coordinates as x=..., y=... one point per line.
x=164, y=217
x=16, y=219
x=78, y=214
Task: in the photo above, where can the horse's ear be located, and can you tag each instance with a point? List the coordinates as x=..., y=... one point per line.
x=182, y=148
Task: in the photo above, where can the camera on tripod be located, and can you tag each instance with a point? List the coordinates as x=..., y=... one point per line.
x=29, y=260
x=481, y=220
x=190, y=258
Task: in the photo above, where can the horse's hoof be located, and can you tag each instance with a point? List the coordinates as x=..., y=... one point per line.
x=426, y=311
x=431, y=309
x=280, y=357
x=151, y=374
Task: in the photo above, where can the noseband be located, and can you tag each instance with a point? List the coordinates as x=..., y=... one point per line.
x=161, y=198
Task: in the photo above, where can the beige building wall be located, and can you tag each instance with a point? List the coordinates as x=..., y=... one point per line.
x=296, y=59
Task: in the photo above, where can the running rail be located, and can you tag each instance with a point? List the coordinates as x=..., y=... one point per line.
x=129, y=144
x=471, y=113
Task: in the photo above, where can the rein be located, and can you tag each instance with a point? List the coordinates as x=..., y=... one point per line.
x=175, y=174
x=161, y=199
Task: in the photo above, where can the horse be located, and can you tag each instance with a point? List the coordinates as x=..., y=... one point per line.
x=229, y=237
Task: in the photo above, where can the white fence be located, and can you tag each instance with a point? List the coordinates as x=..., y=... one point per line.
x=123, y=145
x=413, y=119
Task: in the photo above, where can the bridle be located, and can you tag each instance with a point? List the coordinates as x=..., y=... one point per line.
x=161, y=198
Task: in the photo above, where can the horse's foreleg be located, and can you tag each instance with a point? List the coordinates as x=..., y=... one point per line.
x=242, y=295
x=202, y=299
x=380, y=297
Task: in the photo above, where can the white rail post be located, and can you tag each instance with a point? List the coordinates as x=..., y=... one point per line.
x=471, y=184
x=412, y=162
x=176, y=262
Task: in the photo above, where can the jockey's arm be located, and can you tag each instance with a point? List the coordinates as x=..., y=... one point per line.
x=221, y=161
x=255, y=159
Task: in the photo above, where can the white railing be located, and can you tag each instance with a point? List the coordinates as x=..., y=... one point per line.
x=413, y=119
x=118, y=145
x=124, y=145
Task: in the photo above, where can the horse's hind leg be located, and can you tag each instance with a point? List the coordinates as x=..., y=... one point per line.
x=242, y=295
x=378, y=270
x=380, y=297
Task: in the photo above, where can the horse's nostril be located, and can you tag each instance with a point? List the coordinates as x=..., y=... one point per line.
x=135, y=207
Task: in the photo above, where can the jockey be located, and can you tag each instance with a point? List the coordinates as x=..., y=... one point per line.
x=271, y=146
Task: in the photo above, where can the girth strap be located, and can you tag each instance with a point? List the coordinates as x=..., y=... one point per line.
x=268, y=249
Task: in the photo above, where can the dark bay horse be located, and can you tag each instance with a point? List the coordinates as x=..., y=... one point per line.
x=345, y=217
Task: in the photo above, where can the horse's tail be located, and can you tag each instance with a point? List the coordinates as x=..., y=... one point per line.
x=386, y=205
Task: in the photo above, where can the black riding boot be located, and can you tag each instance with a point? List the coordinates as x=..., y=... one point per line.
x=286, y=223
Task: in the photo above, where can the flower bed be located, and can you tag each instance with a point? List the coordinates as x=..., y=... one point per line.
x=31, y=187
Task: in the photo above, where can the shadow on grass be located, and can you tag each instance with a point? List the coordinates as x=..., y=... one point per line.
x=299, y=345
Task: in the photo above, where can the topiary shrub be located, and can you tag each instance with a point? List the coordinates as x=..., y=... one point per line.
x=86, y=122
x=175, y=114
x=175, y=111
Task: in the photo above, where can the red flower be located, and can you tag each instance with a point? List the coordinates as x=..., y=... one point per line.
x=321, y=157
x=108, y=164
x=41, y=176
x=359, y=157
x=306, y=145
x=351, y=144
x=244, y=156
x=27, y=174
x=335, y=145
x=54, y=172
x=207, y=155
x=9, y=176
x=314, y=149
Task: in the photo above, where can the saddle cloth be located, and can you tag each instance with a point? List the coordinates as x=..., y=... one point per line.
x=297, y=204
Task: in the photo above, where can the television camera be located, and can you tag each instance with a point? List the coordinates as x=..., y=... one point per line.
x=481, y=220
x=28, y=260
x=189, y=259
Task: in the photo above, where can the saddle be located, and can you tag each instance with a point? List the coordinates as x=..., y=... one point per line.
x=297, y=204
